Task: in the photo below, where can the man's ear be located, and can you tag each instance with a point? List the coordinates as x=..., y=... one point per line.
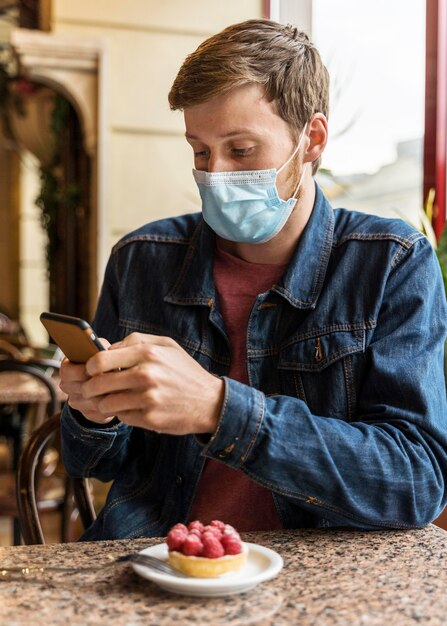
x=317, y=131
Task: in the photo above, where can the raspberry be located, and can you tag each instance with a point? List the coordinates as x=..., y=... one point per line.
x=195, y=525
x=229, y=530
x=212, y=548
x=218, y=524
x=175, y=538
x=208, y=535
x=180, y=527
x=192, y=546
x=214, y=530
x=231, y=544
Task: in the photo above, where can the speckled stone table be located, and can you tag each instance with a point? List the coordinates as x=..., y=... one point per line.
x=330, y=578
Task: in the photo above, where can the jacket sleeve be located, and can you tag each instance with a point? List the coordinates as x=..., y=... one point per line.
x=88, y=450
x=387, y=467
x=93, y=452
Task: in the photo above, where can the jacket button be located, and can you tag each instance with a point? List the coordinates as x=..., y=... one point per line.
x=179, y=480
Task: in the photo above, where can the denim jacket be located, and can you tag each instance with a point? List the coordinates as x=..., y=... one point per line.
x=345, y=416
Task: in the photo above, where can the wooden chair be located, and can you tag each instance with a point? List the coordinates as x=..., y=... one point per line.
x=13, y=331
x=28, y=486
x=9, y=350
x=36, y=372
x=13, y=424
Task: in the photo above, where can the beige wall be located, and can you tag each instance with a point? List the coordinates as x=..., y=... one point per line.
x=23, y=281
x=33, y=295
x=147, y=163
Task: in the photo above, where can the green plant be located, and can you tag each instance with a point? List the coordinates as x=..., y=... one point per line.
x=54, y=194
x=441, y=251
x=439, y=245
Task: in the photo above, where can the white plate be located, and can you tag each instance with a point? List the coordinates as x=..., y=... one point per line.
x=262, y=564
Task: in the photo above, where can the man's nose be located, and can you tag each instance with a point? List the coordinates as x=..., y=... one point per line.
x=216, y=163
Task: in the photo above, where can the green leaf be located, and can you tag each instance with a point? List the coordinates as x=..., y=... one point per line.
x=441, y=252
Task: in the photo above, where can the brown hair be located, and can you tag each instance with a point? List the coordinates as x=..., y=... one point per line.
x=279, y=57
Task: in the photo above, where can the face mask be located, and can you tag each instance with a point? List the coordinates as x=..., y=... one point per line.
x=245, y=206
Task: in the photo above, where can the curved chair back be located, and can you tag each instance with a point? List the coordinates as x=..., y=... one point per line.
x=13, y=365
x=8, y=350
x=27, y=477
x=15, y=422
x=12, y=331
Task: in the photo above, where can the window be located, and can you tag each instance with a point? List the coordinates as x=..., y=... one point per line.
x=375, y=54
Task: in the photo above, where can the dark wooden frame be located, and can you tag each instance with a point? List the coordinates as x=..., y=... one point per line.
x=435, y=136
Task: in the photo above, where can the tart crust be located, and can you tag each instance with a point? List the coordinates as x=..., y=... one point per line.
x=202, y=567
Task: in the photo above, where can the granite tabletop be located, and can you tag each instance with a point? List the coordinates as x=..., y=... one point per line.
x=330, y=578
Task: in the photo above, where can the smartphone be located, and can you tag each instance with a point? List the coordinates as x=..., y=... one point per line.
x=74, y=336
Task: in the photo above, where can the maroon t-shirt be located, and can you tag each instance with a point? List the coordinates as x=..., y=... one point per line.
x=224, y=493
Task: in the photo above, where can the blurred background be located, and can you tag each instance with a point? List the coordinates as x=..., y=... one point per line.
x=90, y=150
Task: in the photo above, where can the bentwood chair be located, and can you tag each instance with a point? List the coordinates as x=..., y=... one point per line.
x=9, y=350
x=14, y=421
x=13, y=331
x=76, y=489
x=38, y=374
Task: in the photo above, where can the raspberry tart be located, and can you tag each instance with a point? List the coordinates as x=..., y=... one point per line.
x=205, y=551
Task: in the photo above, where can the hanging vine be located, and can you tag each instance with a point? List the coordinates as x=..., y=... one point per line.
x=54, y=193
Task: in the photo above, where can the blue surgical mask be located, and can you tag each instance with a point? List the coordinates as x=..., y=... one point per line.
x=244, y=206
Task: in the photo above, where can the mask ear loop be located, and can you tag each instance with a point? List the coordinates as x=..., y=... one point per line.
x=303, y=133
x=300, y=180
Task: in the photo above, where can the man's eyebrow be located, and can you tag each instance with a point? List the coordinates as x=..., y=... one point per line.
x=233, y=133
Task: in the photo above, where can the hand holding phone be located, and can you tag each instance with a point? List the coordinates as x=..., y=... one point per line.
x=74, y=336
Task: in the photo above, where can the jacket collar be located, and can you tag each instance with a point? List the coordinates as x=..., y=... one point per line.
x=195, y=284
x=302, y=282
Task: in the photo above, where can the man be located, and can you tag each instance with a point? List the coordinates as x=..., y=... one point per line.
x=274, y=363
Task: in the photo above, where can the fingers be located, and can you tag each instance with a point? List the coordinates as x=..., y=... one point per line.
x=72, y=376
x=105, y=342
x=90, y=409
x=134, y=349
x=108, y=383
x=119, y=403
x=142, y=338
x=72, y=371
x=108, y=361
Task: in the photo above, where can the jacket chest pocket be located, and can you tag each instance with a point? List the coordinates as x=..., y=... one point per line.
x=324, y=370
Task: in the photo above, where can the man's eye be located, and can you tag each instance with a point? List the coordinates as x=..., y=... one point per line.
x=201, y=154
x=242, y=151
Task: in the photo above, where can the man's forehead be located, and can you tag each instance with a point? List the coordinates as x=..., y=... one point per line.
x=238, y=97
x=242, y=111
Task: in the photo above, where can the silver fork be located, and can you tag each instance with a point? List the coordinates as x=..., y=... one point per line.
x=152, y=562
x=146, y=560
